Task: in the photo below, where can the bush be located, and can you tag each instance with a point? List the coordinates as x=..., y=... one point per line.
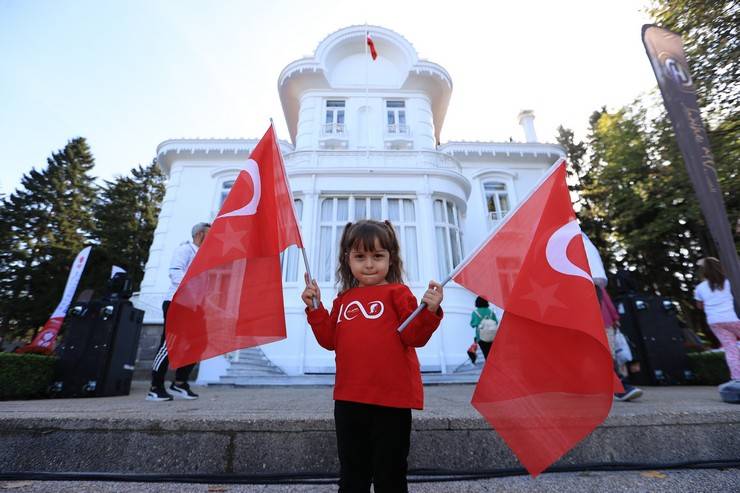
x=25, y=376
x=710, y=367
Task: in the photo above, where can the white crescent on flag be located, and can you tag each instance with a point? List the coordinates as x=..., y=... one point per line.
x=250, y=208
x=556, y=250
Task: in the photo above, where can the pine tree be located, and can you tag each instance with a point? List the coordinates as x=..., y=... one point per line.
x=126, y=216
x=47, y=221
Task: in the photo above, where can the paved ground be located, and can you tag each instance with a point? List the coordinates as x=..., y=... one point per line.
x=225, y=403
x=674, y=481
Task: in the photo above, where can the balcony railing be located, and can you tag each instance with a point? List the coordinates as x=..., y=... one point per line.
x=398, y=136
x=333, y=129
x=495, y=217
x=333, y=136
x=398, y=129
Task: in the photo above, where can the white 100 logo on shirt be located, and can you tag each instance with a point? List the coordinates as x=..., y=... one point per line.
x=354, y=308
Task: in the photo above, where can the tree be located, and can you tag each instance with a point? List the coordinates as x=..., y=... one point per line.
x=47, y=221
x=711, y=35
x=126, y=216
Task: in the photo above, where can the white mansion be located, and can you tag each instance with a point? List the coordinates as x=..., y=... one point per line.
x=365, y=143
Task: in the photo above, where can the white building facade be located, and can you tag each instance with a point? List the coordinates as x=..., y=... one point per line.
x=365, y=143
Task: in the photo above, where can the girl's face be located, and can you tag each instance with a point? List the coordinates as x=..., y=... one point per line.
x=369, y=268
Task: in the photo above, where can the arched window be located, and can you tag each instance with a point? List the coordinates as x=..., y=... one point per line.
x=497, y=201
x=447, y=234
x=335, y=212
x=225, y=189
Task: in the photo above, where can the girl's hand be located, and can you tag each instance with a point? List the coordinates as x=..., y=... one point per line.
x=433, y=296
x=312, y=291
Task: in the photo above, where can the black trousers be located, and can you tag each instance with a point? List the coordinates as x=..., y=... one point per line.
x=162, y=362
x=373, y=445
x=485, y=348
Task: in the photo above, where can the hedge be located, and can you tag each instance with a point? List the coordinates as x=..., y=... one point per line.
x=25, y=376
x=710, y=367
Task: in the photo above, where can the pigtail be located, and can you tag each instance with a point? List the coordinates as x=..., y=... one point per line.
x=395, y=271
x=344, y=274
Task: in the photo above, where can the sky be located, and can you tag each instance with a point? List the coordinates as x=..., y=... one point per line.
x=127, y=75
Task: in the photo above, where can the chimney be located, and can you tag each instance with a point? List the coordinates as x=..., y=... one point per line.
x=526, y=120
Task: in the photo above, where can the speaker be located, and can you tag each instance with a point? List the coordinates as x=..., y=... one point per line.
x=651, y=325
x=98, y=350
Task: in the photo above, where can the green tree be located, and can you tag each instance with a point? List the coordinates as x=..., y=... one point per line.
x=710, y=30
x=126, y=216
x=47, y=221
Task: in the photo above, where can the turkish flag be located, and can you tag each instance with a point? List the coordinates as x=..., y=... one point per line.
x=549, y=378
x=232, y=294
x=371, y=45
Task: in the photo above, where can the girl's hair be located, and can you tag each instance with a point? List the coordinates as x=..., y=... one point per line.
x=712, y=271
x=362, y=235
x=481, y=302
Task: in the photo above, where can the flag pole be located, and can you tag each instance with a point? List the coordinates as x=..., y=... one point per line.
x=483, y=243
x=421, y=306
x=367, y=95
x=308, y=271
x=290, y=190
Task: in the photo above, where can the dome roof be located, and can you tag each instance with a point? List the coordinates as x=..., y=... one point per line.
x=335, y=64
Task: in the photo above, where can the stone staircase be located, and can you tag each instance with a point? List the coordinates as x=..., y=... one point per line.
x=251, y=363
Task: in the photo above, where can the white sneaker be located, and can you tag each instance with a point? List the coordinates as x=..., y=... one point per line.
x=158, y=394
x=182, y=391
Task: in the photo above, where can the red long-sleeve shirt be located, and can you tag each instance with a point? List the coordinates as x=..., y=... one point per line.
x=375, y=363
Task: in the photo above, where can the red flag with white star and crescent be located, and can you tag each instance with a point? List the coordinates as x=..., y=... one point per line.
x=232, y=295
x=549, y=379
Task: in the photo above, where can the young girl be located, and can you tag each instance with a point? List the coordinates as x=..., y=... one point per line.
x=714, y=296
x=378, y=380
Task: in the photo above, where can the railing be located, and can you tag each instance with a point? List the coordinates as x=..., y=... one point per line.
x=398, y=129
x=333, y=129
x=495, y=216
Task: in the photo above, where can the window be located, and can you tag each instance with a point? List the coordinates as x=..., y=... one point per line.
x=225, y=189
x=497, y=200
x=334, y=121
x=396, y=111
x=447, y=235
x=336, y=212
x=290, y=258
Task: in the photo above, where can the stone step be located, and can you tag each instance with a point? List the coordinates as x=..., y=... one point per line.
x=251, y=363
x=258, y=429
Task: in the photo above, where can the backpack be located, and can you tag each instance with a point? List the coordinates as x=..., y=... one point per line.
x=487, y=329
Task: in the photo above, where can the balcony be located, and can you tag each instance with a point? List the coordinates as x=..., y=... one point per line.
x=333, y=136
x=495, y=217
x=398, y=136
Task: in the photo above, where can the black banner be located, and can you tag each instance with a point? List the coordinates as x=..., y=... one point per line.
x=665, y=51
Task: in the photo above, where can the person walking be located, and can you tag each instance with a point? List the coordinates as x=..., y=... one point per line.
x=483, y=312
x=378, y=380
x=611, y=324
x=714, y=295
x=180, y=388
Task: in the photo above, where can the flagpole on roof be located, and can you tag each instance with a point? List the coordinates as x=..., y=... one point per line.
x=367, y=95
